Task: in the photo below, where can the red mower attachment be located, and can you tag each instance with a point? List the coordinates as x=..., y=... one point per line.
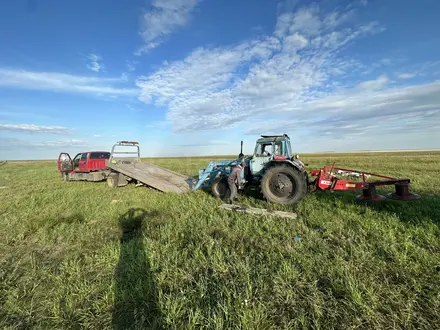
x=327, y=180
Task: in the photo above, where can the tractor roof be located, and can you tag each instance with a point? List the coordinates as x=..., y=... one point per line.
x=272, y=138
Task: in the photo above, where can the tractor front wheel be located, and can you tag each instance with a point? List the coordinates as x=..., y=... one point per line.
x=283, y=184
x=220, y=188
x=112, y=180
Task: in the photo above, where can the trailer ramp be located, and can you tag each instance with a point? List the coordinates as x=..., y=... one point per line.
x=154, y=176
x=125, y=159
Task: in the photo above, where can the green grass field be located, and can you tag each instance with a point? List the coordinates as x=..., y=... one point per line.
x=73, y=257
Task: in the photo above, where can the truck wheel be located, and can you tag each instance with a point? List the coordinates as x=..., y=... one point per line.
x=220, y=188
x=283, y=184
x=112, y=180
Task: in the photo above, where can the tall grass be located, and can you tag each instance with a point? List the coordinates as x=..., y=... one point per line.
x=73, y=255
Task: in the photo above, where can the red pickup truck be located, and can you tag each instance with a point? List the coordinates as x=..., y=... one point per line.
x=86, y=166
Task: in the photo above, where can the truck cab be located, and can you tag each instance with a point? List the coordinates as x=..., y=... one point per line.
x=84, y=166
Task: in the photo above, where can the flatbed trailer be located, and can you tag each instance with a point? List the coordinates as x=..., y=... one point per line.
x=127, y=169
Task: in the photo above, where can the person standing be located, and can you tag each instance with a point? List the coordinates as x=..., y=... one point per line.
x=234, y=180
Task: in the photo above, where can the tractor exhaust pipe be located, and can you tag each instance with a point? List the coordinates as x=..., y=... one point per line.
x=241, y=151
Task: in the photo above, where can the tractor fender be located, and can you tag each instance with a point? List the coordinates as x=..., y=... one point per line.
x=296, y=164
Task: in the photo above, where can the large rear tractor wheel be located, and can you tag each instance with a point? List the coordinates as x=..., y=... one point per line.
x=112, y=180
x=220, y=188
x=283, y=184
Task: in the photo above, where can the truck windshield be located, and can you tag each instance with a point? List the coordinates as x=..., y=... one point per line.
x=100, y=155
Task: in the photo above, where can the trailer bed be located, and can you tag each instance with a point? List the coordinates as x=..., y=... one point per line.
x=154, y=176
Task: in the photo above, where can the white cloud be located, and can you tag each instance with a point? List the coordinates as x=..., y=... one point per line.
x=95, y=62
x=158, y=124
x=298, y=81
x=124, y=77
x=375, y=84
x=225, y=86
x=210, y=143
x=406, y=75
x=164, y=18
x=62, y=82
x=11, y=144
x=130, y=65
x=34, y=128
x=97, y=135
x=369, y=112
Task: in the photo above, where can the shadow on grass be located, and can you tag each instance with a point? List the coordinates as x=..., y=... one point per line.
x=136, y=305
x=412, y=212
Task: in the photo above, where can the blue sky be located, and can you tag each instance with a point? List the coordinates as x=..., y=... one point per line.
x=194, y=77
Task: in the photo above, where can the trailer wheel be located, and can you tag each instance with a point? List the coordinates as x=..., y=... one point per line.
x=112, y=180
x=220, y=188
x=283, y=184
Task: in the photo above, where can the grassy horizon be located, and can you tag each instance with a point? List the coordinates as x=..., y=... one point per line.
x=395, y=152
x=77, y=255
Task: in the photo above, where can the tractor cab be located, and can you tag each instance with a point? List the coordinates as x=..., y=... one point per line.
x=268, y=148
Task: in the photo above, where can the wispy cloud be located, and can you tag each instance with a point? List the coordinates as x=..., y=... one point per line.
x=130, y=65
x=62, y=82
x=95, y=63
x=162, y=19
x=30, y=128
x=225, y=86
x=158, y=124
x=211, y=143
x=375, y=84
x=406, y=75
x=12, y=144
x=365, y=110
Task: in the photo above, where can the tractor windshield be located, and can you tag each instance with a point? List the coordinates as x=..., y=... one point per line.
x=263, y=149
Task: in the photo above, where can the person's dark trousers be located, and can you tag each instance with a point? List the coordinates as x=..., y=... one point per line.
x=233, y=189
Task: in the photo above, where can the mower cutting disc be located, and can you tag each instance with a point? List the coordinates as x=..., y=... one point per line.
x=369, y=195
x=410, y=197
x=402, y=193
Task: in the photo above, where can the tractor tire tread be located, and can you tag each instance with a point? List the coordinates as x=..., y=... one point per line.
x=301, y=185
x=215, y=188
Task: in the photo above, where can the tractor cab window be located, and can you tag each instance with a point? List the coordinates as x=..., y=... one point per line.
x=264, y=149
x=278, y=151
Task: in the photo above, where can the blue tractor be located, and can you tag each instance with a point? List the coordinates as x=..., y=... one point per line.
x=277, y=174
